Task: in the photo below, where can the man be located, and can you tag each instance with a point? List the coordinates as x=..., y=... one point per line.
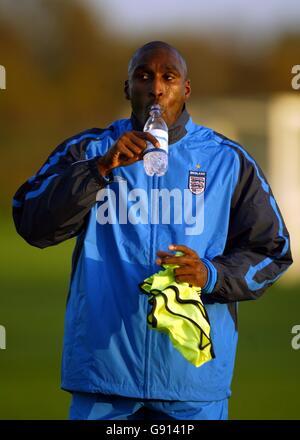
x=217, y=209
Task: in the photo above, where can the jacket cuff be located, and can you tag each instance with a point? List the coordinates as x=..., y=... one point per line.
x=102, y=180
x=212, y=275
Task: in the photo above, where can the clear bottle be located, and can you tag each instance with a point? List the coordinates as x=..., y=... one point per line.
x=156, y=159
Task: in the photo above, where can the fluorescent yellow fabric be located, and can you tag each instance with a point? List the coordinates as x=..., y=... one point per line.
x=178, y=311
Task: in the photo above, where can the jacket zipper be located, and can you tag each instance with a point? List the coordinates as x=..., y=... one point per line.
x=154, y=181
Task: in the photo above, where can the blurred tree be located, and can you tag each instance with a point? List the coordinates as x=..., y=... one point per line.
x=65, y=73
x=61, y=79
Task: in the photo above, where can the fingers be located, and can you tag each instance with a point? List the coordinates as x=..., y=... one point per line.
x=161, y=255
x=189, y=258
x=184, y=270
x=132, y=144
x=137, y=140
x=186, y=250
x=136, y=143
x=180, y=261
x=164, y=254
x=148, y=137
x=129, y=148
x=124, y=152
x=191, y=269
x=186, y=279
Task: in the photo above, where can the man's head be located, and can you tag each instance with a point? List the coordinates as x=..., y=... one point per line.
x=157, y=74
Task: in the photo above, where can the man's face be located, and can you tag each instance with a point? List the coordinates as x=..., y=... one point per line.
x=157, y=77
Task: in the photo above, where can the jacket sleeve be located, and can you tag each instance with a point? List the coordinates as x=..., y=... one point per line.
x=52, y=205
x=257, y=250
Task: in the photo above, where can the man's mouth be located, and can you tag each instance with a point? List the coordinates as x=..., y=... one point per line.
x=148, y=107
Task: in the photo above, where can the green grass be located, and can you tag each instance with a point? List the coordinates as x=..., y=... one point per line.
x=266, y=380
x=34, y=286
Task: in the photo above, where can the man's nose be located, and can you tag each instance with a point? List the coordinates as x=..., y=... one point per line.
x=156, y=89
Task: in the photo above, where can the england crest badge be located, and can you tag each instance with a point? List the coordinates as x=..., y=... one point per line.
x=197, y=182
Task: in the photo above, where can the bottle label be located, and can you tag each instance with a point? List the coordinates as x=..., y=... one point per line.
x=162, y=137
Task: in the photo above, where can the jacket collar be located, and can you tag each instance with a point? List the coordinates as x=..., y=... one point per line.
x=176, y=131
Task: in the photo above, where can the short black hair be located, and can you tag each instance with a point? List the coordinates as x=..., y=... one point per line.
x=156, y=45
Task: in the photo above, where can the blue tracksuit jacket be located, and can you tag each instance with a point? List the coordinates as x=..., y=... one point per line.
x=214, y=199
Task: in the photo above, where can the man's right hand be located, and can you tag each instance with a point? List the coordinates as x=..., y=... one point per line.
x=128, y=149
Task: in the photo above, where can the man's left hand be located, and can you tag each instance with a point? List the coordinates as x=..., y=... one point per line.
x=191, y=269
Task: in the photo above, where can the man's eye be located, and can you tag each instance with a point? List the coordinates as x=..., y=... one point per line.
x=169, y=77
x=143, y=76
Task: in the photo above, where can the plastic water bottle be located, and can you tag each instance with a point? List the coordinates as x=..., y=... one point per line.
x=156, y=159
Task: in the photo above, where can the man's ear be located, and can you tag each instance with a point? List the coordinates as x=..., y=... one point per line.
x=126, y=89
x=188, y=89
